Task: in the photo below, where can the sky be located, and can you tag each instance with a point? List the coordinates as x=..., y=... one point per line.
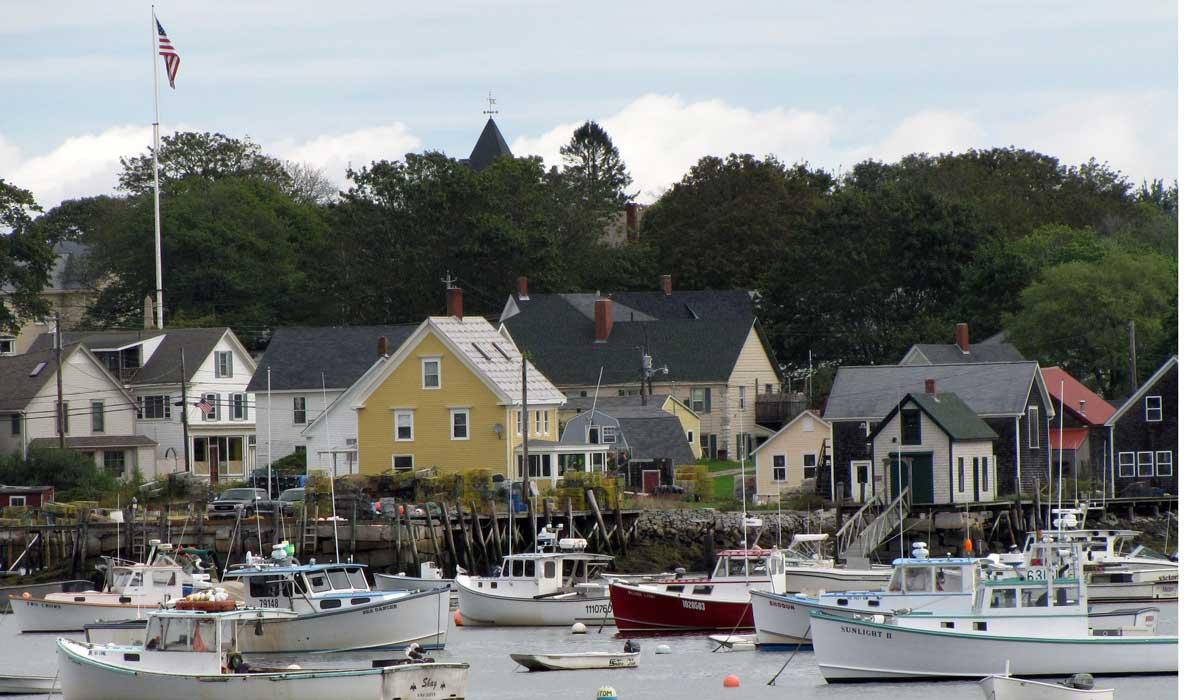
x=829, y=84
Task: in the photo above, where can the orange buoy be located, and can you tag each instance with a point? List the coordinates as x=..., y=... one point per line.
x=968, y=546
x=458, y=619
x=26, y=595
x=731, y=681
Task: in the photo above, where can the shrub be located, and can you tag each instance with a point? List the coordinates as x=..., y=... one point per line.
x=73, y=474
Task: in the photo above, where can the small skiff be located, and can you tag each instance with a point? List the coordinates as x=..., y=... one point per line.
x=1078, y=687
x=28, y=685
x=586, y=660
x=733, y=642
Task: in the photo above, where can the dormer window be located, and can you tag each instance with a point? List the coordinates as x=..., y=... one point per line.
x=223, y=364
x=608, y=434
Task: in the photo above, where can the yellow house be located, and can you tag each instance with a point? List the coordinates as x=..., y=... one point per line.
x=789, y=459
x=450, y=398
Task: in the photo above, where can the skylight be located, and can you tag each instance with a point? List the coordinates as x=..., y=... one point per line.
x=501, y=351
x=37, y=370
x=481, y=352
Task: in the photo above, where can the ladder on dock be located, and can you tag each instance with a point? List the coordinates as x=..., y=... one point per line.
x=140, y=548
x=310, y=530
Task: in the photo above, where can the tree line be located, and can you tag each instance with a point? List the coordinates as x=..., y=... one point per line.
x=853, y=268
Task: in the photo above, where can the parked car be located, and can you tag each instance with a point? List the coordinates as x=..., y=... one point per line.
x=292, y=499
x=232, y=499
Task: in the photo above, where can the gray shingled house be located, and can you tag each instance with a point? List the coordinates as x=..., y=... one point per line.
x=994, y=349
x=645, y=442
x=1144, y=437
x=1009, y=396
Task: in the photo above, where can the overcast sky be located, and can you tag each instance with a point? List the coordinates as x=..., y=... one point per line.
x=823, y=82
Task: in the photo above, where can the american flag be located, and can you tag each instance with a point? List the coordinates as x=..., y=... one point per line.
x=166, y=49
x=205, y=407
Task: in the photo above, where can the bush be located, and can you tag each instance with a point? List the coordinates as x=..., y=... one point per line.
x=73, y=474
x=697, y=481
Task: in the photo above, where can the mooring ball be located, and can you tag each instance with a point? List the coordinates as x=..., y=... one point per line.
x=606, y=693
x=578, y=628
x=731, y=681
x=663, y=649
x=458, y=618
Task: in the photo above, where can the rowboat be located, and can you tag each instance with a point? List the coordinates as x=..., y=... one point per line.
x=583, y=660
x=1078, y=687
x=733, y=642
x=28, y=685
x=197, y=654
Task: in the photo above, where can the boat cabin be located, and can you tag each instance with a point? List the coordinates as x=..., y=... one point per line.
x=187, y=641
x=547, y=573
x=751, y=563
x=934, y=575
x=138, y=580
x=304, y=587
x=805, y=549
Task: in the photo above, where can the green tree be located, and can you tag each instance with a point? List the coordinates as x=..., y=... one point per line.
x=593, y=167
x=26, y=258
x=722, y=225
x=1076, y=315
x=189, y=154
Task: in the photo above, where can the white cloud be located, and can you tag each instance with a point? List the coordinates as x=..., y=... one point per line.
x=661, y=136
x=80, y=166
x=333, y=152
x=929, y=131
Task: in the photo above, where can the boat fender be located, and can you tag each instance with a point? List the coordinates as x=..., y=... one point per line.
x=578, y=628
x=631, y=646
x=606, y=693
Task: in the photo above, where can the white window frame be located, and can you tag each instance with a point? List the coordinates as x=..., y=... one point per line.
x=466, y=413
x=412, y=463
x=213, y=399
x=7, y=345
x=814, y=456
x=238, y=406
x=303, y=410
x=1164, y=460
x=986, y=473
x=1143, y=469
x=1153, y=407
x=12, y=500
x=520, y=427
x=220, y=371
x=545, y=421
x=538, y=422
x=1034, y=427
x=142, y=401
x=1129, y=463
x=743, y=396
x=97, y=417
x=783, y=467
x=962, y=473
x=690, y=436
x=437, y=362
x=14, y=424
x=397, y=415
x=606, y=431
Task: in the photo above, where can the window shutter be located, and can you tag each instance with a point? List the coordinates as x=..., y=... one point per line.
x=707, y=399
x=167, y=405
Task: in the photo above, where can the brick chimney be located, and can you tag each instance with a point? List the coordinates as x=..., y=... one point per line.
x=962, y=338
x=522, y=287
x=632, y=216
x=667, y=285
x=930, y=387
x=382, y=346
x=454, y=302
x=603, y=320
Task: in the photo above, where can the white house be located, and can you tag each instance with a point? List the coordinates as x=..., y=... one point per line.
x=100, y=415
x=219, y=409
x=302, y=373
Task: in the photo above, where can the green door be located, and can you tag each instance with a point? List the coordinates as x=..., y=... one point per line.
x=917, y=470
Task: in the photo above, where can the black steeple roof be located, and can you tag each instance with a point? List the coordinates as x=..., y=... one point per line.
x=489, y=147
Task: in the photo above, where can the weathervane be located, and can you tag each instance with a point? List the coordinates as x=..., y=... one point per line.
x=491, y=105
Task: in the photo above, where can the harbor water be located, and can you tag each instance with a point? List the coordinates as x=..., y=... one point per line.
x=692, y=670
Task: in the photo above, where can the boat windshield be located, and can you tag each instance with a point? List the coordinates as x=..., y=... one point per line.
x=338, y=579
x=319, y=582
x=357, y=579
x=1143, y=552
x=180, y=634
x=120, y=579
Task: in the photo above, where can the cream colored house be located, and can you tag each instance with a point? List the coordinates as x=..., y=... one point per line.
x=789, y=459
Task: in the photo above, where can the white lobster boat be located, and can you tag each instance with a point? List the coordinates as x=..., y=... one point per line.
x=130, y=590
x=808, y=571
x=191, y=654
x=1036, y=621
x=558, y=585
x=1080, y=686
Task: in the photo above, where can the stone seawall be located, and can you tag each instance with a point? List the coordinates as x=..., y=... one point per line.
x=689, y=526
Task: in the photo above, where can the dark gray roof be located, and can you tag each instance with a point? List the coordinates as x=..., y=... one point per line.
x=987, y=351
x=950, y=413
x=17, y=388
x=659, y=437
x=164, y=366
x=870, y=392
x=69, y=272
x=299, y=355
x=489, y=147
x=618, y=406
x=558, y=333
x=18, y=490
x=94, y=442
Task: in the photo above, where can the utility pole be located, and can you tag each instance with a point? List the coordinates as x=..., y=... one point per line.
x=1132, y=353
x=58, y=357
x=525, y=429
x=185, y=416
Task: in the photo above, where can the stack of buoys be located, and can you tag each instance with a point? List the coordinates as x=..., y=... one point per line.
x=209, y=599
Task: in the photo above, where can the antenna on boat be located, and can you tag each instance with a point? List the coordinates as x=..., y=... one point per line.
x=334, y=465
x=1061, y=446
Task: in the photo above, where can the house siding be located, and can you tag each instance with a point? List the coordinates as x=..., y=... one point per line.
x=793, y=442
x=849, y=443
x=969, y=451
x=1132, y=433
x=1034, y=460
x=287, y=435
x=934, y=441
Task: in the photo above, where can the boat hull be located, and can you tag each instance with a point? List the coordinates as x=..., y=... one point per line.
x=578, y=662
x=850, y=649
x=28, y=685
x=638, y=609
x=40, y=590
x=811, y=580
x=40, y=615
x=1011, y=688
x=389, y=582
x=482, y=608
x=86, y=678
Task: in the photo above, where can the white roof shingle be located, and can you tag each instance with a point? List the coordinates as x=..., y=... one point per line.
x=494, y=357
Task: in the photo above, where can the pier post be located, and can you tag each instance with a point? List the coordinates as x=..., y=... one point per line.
x=496, y=529
x=412, y=540
x=434, y=533
x=599, y=520
x=472, y=563
x=484, y=549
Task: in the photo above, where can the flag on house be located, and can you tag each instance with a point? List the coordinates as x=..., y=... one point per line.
x=167, y=51
x=205, y=407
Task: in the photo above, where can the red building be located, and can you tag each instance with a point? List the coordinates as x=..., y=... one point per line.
x=30, y=496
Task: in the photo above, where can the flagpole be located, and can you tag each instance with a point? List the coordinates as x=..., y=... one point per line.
x=156, y=184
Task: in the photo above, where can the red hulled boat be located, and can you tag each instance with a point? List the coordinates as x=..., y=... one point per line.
x=721, y=602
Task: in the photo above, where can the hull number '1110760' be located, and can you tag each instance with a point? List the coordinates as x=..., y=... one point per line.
x=599, y=609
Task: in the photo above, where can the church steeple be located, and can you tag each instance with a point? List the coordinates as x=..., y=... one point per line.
x=491, y=144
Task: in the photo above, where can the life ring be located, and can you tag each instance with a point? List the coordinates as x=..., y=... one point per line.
x=234, y=661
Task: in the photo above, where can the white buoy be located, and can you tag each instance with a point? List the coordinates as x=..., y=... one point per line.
x=606, y=693
x=578, y=628
x=664, y=649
